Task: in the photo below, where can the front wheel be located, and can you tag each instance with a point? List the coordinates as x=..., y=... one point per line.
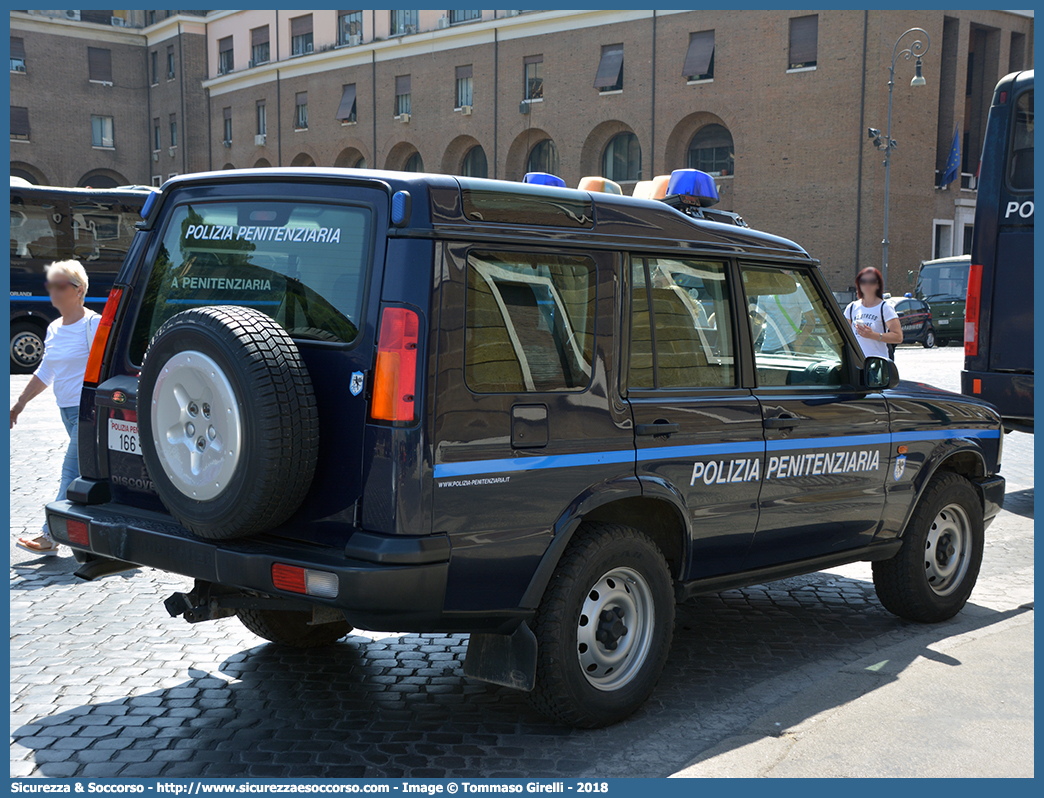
x=27, y=346
x=604, y=627
x=932, y=576
x=929, y=339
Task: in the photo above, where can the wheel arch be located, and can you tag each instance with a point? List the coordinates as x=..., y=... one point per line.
x=661, y=516
x=961, y=456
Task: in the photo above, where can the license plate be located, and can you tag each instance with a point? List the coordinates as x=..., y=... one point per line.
x=123, y=436
x=944, y=321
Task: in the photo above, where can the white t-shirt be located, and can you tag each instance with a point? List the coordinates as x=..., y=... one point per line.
x=66, y=347
x=871, y=317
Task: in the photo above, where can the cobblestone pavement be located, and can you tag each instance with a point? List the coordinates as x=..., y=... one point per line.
x=105, y=683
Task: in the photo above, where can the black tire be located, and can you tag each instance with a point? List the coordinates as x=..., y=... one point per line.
x=563, y=690
x=903, y=583
x=929, y=339
x=940, y=342
x=27, y=346
x=269, y=395
x=291, y=628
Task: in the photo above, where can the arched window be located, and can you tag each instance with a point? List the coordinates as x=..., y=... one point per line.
x=414, y=164
x=24, y=175
x=97, y=180
x=475, y=163
x=360, y=164
x=712, y=151
x=543, y=158
x=622, y=159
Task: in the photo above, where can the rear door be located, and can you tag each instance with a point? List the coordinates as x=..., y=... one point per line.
x=827, y=442
x=302, y=256
x=525, y=422
x=698, y=434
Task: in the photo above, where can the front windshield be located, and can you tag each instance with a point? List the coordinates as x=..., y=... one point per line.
x=944, y=281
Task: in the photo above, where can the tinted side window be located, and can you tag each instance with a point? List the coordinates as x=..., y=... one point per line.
x=39, y=229
x=795, y=340
x=688, y=343
x=304, y=264
x=102, y=232
x=1020, y=159
x=530, y=322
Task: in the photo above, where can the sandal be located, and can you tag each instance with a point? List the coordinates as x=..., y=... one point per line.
x=41, y=544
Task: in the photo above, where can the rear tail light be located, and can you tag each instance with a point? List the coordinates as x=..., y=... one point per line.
x=77, y=533
x=395, y=378
x=295, y=579
x=971, y=311
x=101, y=338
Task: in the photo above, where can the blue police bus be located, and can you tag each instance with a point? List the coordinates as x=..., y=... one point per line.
x=94, y=226
x=998, y=322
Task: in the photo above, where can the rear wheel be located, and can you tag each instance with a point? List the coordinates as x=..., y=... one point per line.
x=292, y=628
x=932, y=576
x=604, y=627
x=27, y=346
x=940, y=342
x=929, y=339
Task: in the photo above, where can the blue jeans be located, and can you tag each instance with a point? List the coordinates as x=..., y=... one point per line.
x=71, y=463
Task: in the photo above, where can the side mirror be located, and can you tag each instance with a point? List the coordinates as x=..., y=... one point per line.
x=880, y=373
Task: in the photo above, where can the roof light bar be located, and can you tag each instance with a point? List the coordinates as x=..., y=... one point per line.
x=655, y=189
x=601, y=185
x=694, y=187
x=543, y=179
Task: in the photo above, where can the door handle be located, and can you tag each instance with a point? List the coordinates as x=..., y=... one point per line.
x=658, y=428
x=782, y=422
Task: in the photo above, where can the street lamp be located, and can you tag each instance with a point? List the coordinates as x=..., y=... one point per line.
x=916, y=50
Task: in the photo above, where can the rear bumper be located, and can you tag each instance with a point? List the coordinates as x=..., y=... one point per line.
x=1011, y=394
x=384, y=583
x=992, y=489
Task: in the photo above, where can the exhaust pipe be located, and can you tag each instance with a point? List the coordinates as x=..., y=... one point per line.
x=96, y=567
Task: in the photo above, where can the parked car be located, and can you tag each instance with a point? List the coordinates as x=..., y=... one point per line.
x=345, y=398
x=915, y=316
x=943, y=284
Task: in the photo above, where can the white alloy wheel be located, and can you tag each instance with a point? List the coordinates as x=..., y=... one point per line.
x=197, y=424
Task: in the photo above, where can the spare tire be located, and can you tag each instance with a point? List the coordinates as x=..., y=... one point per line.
x=227, y=419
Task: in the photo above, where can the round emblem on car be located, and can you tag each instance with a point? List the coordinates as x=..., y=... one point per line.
x=119, y=397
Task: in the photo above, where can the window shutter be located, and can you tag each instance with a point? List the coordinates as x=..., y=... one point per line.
x=259, y=36
x=302, y=98
x=17, y=48
x=301, y=26
x=533, y=59
x=227, y=113
x=804, y=36
x=224, y=45
x=464, y=72
x=610, y=66
x=344, y=110
x=698, y=58
x=99, y=64
x=402, y=85
x=19, y=121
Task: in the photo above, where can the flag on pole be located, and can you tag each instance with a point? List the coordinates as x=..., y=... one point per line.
x=953, y=163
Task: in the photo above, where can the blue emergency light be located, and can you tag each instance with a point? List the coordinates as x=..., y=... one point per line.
x=149, y=202
x=543, y=179
x=694, y=184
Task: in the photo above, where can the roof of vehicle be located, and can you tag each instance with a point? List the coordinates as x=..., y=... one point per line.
x=940, y=261
x=615, y=220
x=27, y=188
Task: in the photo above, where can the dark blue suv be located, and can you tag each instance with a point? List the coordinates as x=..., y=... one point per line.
x=342, y=398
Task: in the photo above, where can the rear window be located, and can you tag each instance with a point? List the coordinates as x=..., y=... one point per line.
x=303, y=264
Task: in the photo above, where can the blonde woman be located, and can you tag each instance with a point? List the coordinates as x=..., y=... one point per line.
x=66, y=348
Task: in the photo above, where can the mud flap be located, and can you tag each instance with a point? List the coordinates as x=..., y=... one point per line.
x=508, y=660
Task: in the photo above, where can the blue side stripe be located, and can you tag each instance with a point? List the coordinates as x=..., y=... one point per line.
x=517, y=464
x=477, y=467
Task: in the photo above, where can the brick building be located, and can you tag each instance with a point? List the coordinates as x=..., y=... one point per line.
x=776, y=104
